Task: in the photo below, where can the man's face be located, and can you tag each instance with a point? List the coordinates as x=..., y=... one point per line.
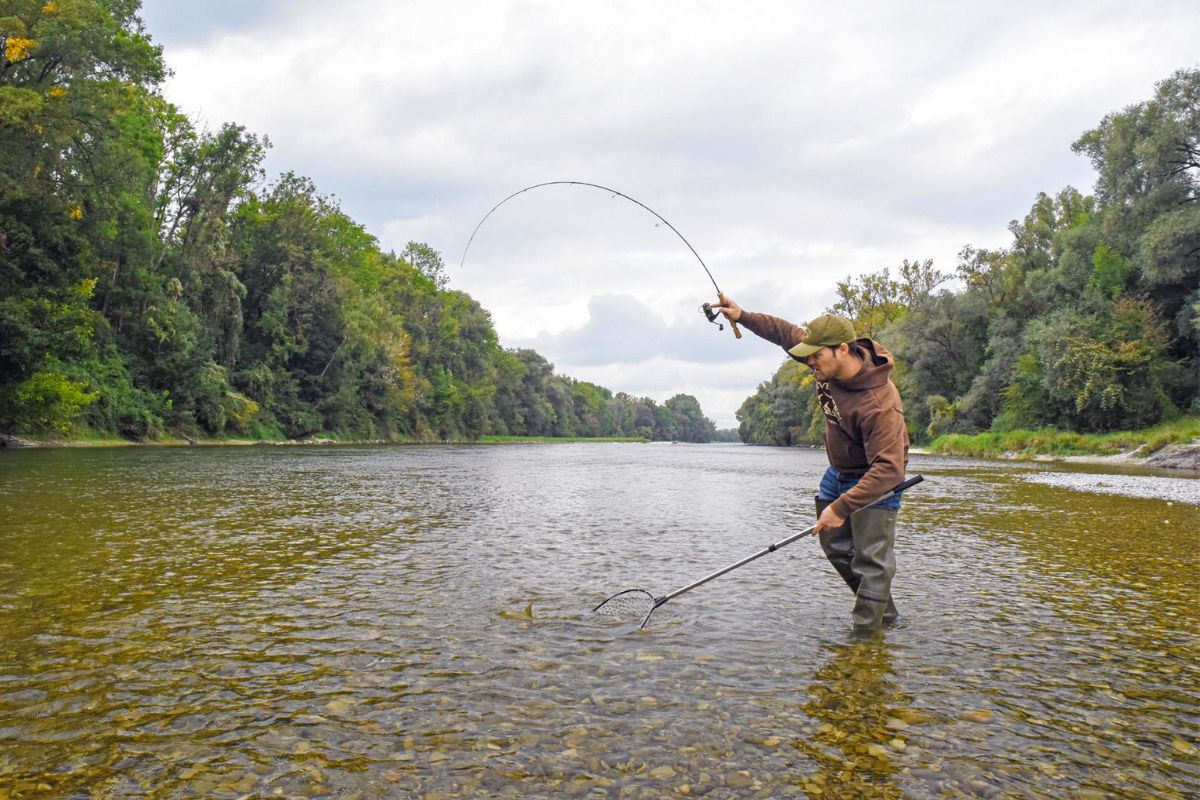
x=825, y=363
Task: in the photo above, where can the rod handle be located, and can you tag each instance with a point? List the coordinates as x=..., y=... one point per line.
x=732, y=324
x=908, y=484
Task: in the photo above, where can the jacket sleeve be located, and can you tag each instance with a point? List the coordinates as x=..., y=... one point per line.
x=885, y=439
x=773, y=329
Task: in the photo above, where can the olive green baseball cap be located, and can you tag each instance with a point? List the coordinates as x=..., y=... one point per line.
x=825, y=331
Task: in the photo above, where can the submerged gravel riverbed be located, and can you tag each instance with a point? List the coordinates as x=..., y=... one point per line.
x=379, y=622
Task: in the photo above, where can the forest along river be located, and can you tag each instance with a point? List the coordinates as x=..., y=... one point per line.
x=365, y=622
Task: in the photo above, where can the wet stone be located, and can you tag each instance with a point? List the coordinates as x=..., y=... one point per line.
x=738, y=780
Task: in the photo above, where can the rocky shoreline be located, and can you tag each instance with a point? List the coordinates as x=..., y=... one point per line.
x=1183, y=456
x=1176, y=456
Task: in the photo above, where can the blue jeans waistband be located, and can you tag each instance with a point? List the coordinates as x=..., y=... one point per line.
x=834, y=484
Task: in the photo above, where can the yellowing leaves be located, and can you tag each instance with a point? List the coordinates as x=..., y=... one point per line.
x=57, y=91
x=17, y=48
x=76, y=212
x=50, y=8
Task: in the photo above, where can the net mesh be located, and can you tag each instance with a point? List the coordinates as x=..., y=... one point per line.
x=629, y=603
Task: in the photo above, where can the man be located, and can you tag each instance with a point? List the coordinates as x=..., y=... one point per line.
x=866, y=442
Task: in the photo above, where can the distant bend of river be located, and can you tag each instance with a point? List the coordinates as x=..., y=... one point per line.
x=375, y=622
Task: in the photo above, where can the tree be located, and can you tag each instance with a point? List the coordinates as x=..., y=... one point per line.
x=986, y=271
x=871, y=301
x=690, y=423
x=428, y=261
x=150, y=281
x=875, y=300
x=79, y=136
x=942, y=345
x=782, y=411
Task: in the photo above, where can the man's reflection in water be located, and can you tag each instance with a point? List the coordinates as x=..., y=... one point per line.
x=851, y=699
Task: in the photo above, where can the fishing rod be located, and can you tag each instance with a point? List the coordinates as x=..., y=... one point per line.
x=707, y=308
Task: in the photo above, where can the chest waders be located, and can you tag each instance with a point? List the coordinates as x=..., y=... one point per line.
x=861, y=551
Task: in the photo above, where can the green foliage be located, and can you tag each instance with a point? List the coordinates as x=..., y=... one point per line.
x=121, y=407
x=783, y=411
x=726, y=435
x=1026, y=400
x=876, y=300
x=941, y=414
x=1109, y=272
x=690, y=424
x=18, y=106
x=427, y=261
x=941, y=343
x=48, y=401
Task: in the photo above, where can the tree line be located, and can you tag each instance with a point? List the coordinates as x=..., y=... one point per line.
x=1087, y=321
x=152, y=282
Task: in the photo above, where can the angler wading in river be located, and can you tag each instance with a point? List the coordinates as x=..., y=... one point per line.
x=866, y=443
x=865, y=439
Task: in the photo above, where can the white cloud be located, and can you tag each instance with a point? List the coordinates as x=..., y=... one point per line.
x=793, y=144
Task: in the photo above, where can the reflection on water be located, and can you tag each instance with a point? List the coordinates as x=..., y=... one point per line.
x=863, y=715
x=384, y=622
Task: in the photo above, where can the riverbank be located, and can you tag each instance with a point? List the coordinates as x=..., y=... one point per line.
x=1171, y=445
x=10, y=440
x=1174, y=445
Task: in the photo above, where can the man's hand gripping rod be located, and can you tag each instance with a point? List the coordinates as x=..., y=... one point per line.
x=713, y=316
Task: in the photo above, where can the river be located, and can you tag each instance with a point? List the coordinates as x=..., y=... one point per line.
x=370, y=622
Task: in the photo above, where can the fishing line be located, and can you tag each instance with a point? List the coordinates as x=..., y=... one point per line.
x=706, y=308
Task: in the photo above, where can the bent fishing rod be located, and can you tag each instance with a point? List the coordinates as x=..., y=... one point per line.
x=707, y=308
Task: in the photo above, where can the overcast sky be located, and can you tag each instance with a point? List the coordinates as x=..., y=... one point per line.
x=792, y=143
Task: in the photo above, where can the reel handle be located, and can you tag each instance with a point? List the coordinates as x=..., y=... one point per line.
x=732, y=324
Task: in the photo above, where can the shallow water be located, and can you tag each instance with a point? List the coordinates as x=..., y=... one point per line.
x=416, y=622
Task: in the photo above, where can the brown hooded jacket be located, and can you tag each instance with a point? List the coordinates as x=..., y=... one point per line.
x=865, y=432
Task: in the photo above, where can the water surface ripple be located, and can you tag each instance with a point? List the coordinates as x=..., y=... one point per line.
x=367, y=622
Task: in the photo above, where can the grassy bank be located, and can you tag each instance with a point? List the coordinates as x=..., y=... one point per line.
x=1047, y=442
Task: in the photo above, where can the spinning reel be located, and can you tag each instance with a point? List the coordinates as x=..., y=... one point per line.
x=714, y=316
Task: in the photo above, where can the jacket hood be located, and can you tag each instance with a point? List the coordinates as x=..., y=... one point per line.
x=877, y=366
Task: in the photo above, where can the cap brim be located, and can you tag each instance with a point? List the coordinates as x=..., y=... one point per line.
x=803, y=350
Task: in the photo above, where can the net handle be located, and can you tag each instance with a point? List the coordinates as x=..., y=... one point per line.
x=897, y=489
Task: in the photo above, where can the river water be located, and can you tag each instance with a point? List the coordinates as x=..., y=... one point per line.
x=369, y=622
